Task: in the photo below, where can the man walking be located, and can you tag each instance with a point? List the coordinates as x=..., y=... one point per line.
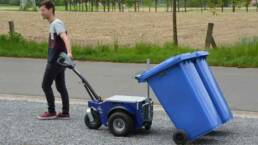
x=58, y=42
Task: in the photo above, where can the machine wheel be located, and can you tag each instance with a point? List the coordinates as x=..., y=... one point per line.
x=147, y=125
x=180, y=137
x=96, y=123
x=120, y=124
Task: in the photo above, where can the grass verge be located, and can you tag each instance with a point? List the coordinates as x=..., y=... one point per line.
x=242, y=54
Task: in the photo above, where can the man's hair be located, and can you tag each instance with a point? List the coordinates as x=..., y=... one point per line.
x=48, y=4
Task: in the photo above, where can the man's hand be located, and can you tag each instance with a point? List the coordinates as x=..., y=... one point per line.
x=70, y=55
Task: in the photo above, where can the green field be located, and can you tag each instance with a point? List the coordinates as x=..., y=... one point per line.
x=242, y=54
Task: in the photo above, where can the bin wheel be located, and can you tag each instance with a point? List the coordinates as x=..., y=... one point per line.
x=147, y=125
x=180, y=137
x=96, y=123
x=120, y=124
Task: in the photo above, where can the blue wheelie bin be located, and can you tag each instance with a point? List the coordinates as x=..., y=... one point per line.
x=180, y=90
x=212, y=86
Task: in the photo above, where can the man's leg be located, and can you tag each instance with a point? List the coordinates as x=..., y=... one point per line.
x=49, y=77
x=61, y=88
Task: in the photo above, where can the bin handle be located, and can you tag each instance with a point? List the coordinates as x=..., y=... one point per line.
x=162, y=74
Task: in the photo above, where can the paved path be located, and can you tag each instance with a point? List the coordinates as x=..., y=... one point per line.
x=23, y=77
x=19, y=127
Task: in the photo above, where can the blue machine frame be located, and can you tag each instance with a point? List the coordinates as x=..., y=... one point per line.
x=137, y=110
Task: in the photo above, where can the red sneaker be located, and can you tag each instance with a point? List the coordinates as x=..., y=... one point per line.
x=62, y=115
x=47, y=116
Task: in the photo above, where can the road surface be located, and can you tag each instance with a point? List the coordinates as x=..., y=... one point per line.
x=19, y=127
x=20, y=76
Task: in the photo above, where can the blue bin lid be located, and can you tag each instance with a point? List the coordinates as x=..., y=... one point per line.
x=168, y=63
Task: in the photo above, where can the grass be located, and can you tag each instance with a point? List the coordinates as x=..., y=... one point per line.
x=242, y=54
x=17, y=46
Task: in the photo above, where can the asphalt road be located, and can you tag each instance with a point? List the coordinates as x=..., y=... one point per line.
x=24, y=76
x=18, y=126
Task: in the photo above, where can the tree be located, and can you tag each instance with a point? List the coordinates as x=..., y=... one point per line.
x=215, y=3
x=256, y=2
x=66, y=5
x=247, y=3
x=233, y=5
x=148, y=3
x=120, y=5
x=174, y=23
x=167, y=5
x=202, y=5
x=222, y=5
x=156, y=5
x=129, y=3
x=178, y=5
x=185, y=4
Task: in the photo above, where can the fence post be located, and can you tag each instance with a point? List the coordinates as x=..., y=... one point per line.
x=209, y=37
x=11, y=27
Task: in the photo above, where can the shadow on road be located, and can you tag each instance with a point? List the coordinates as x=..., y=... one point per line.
x=212, y=138
x=219, y=133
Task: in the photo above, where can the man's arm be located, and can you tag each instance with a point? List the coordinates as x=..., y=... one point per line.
x=67, y=43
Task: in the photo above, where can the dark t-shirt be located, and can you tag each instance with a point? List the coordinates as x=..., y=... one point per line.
x=55, y=42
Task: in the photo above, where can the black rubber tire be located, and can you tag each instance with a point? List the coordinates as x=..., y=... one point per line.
x=127, y=120
x=147, y=126
x=180, y=137
x=93, y=124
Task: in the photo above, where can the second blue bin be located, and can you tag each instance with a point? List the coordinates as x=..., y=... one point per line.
x=189, y=94
x=212, y=86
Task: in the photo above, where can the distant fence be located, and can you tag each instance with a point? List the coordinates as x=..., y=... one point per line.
x=122, y=5
x=146, y=5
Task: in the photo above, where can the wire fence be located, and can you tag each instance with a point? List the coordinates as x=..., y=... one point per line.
x=152, y=5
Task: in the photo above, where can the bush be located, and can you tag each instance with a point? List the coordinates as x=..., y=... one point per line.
x=14, y=2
